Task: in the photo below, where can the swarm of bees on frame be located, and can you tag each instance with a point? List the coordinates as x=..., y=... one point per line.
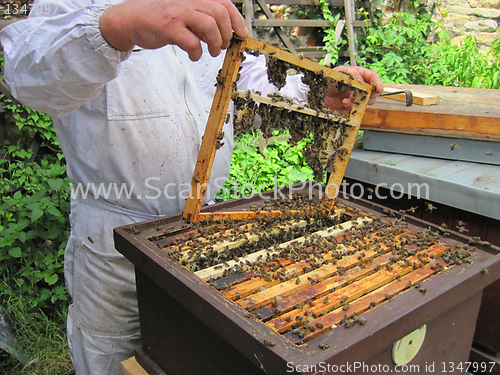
x=210, y=243
x=328, y=131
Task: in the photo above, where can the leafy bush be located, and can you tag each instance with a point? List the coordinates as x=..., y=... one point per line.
x=33, y=214
x=464, y=65
x=34, y=227
x=251, y=169
x=400, y=52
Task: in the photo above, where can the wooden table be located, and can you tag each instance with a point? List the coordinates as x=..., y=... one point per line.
x=462, y=112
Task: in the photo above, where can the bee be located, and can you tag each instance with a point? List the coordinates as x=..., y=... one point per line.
x=319, y=325
x=220, y=79
x=136, y=231
x=346, y=307
x=361, y=321
x=453, y=146
x=430, y=207
x=269, y=343
x=373, y=304
x=228, y=117
x=323, y=345
x=92, y=241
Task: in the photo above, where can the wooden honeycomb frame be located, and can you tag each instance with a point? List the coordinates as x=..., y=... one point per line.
x=227, y=77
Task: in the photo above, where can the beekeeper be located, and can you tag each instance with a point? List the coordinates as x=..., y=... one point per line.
x=129, y=86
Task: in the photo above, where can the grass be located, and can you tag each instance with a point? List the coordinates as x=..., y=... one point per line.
x=41, y=337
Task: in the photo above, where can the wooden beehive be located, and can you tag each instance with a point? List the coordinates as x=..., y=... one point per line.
x=334, y=134
x=338, y=296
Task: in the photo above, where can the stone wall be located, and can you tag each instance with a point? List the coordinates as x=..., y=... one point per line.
x=464, y=17
x=460, y=17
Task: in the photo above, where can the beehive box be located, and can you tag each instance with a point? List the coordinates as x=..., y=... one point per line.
x=346, y=300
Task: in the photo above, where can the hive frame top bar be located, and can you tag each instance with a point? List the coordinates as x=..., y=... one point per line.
x=225, y=88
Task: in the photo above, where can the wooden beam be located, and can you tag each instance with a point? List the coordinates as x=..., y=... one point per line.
x=462, y=113
x=281, y=34
x=351, y=36
x=419, y=98
x=306, y=64
x=364, y=4
x=216, y=119
x=132, y=367
x=300, y=22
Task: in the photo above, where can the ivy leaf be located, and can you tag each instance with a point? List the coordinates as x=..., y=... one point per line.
x=55, y=183
x=36, y=214
x=51, y=280
x=54, y=211
x=15, y=252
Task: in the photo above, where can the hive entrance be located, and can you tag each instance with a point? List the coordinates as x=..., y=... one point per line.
x=333, y=134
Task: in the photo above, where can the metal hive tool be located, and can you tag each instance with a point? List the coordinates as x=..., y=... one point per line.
x=332, y=145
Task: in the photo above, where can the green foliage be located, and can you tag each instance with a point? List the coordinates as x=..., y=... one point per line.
x=400, y=52
x=395, y=50
x=34, y=224
x=464, y=65
x=329, y=39
x=251, y=170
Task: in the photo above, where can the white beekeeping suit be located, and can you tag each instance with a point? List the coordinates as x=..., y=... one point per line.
x=130, y=126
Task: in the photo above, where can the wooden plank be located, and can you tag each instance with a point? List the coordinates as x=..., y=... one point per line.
x=292, y=286
x=216, y=119
x=293, y=107
x=316, y=291
x=281, y=34
x=338, y=169
x=306, y=64
x=351, y=36
x=352, y=292
x=419, y=98
x=246, y=288
x=301, y=22
x=362, y=304
x=212, y=272
x=131, y=367
x=365, y=4
x=241, y=215
x=462, y=112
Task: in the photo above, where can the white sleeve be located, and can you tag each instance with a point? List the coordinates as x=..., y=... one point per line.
x=56, y=60
x=254, y=78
